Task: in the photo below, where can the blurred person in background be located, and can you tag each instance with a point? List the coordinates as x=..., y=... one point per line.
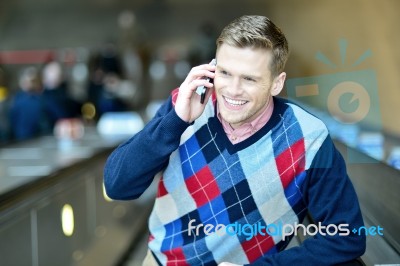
x=110, y=98
x=110, y=61
x=28, y=116
x=57, y=102
x=108, y=90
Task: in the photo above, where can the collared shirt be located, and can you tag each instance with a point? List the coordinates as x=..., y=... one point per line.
x=246, y=130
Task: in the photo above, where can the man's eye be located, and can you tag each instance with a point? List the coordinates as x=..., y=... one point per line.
x=223, y=72
x=249, y=79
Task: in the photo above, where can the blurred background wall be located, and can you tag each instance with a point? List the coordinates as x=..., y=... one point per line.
x=167, y=29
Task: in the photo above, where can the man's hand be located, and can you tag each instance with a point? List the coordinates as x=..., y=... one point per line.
x=228, y=264
x=188, y=106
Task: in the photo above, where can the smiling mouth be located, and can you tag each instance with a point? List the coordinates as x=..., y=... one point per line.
x=235, y=103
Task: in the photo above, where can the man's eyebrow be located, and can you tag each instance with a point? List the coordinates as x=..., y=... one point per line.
x=252, y=76
x=220, y=67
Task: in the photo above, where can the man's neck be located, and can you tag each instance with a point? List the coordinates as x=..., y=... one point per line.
x=247, y=129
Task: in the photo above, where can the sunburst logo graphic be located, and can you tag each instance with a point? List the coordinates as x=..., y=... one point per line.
x=348, y=100
x=343, y=51
x=349, y=97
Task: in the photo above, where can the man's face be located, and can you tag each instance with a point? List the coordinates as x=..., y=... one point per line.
x=243, y=83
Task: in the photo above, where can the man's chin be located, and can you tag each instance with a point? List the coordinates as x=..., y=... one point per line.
x=232, y=120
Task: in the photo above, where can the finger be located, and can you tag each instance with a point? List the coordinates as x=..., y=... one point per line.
x=208, y=94
x=205, y=66
x=188, y=89
x=200, y=82
x=194, y=83
x=201, y=71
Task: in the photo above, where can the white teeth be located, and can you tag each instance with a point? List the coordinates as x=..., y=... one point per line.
x=234, y=102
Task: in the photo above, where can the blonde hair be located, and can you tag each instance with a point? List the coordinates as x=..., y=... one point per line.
x=257, y=32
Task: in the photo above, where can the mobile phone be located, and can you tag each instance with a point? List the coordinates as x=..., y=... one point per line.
x=202, y=90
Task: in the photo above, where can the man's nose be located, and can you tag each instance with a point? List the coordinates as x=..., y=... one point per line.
x=236, y=86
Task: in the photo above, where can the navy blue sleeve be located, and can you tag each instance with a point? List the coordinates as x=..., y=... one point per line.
x=131, y=167
x=331, y=199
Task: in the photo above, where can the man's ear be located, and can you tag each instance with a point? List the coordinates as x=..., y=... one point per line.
x=277, y=84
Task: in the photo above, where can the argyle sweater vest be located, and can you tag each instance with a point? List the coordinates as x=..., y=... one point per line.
x=210, y=182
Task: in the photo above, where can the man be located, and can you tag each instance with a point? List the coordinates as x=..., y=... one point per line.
x=240, y=170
